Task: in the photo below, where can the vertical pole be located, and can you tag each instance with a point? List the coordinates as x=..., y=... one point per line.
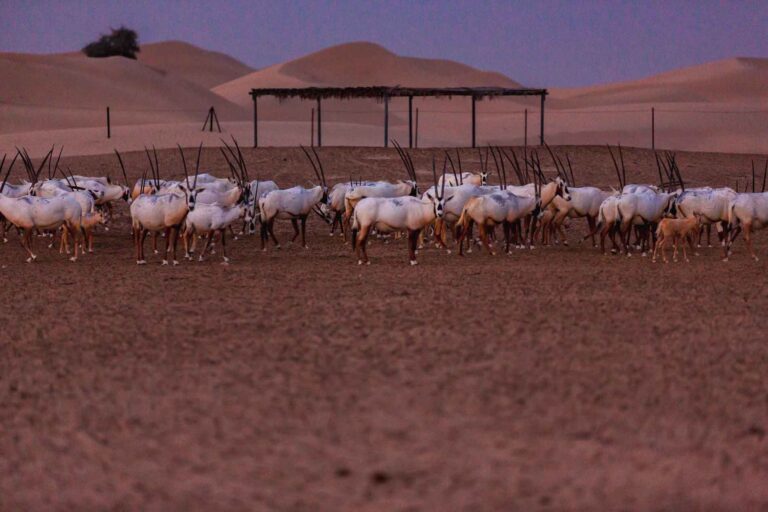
x=319, y=125
x=653, y=128
x=416, y=139
x=312, y=129
x=386, y=121
x=109, y=126
x=410, y=121
x=255, y=122
x=525, y=134
x=541, y=134
x=210, y=114
x=474, y=127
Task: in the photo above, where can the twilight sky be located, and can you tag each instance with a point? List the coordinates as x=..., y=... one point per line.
x=544, y=43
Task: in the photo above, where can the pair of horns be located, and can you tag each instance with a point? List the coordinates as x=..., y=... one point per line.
x=8, y=173
x=240, y=176
x=407, y=161
x=569, y=179
x=317, y=167
x=622, y=175
x=197, y=165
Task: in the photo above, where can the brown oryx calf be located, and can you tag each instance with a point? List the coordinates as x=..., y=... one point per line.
x=87, y=224
x=676, y=229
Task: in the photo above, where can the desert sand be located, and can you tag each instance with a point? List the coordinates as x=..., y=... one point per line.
x=552, y=379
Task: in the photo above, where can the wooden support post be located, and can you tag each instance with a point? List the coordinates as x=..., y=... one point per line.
x=210, y=117
x=410, y=121
x=109, y=125
x=319, y=125
x=474, y=124
x=525, y=134
x=386, y=121
x=312, y=129
x=255, y=122
x=541, y=134
x=653, y=128
x=416, y=138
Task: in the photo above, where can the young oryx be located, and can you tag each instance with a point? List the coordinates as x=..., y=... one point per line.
x=294, y=204
x=162, y=212
x=395, y=214
x=208, y=219
x=676, y=229
x=30, y=213
x=88, y=223
x=748, y=212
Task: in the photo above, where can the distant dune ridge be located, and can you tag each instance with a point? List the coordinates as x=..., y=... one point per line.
x=176, y=82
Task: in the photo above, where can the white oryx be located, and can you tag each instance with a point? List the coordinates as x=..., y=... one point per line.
x=162, y=212
x=30, y=213
x=209, y=219
x=294, y=204
x=405, y=213
x=464, y=177
x=748, y=212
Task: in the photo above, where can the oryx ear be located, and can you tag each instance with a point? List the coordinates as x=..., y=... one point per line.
x=430, y=196
x=446, y=200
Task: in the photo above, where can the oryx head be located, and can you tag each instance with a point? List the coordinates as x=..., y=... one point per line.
x=670, y=210
x=190, y=193
x=438, y=200
x=483, y=178
x=409, y=169
x=562, y=189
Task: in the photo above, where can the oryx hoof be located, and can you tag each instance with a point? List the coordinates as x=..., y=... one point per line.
x=306, y=247
x=278, y=247
x=226, y=260
x=200, y=258
x=725, y=259
x=156, y=251
x=448, y=251
x=30, y=259
x=165, y=262
x=73, y=259
x=237, y=237
x=643, y=254
x=565, y=244
x=359, y=262
x=264, y=250
x=141, y=262
x=175, y=262
x=414, y=262
x=5, y=240
x=756, y=258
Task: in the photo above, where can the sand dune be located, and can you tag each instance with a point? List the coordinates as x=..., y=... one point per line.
x=183, y=60
x=70, y=90
x=738, y=80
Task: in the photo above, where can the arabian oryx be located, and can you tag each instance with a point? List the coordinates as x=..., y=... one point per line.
x=748, y=212
x=644, y=209
x=294, y=204
x=466, y=178
x=676, y=229
x=406, y=213
x=162, y=212
x=209, y=219
x=30, y=213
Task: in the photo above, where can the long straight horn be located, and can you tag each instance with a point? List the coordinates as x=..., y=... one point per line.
x=184, y=163
x=24, y=161
x=232, y=170
x=496, y=164
x=442, y=189
x=320, y=165
x=623, y=168
x=434, y=174
x=157, y=167
x=39, y=169
x=243, y=166
x=58, y=158
x=753, y=176
x=554, y=160
x=151, y=164
x=453, y=169
x=2, y=164
x=765, y=174
x=122, y=168
x=515, y=164
x=570, y=168
x=314, y=167
x=197, y=165
x=8, y=173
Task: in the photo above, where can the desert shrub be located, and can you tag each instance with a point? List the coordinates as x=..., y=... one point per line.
x=122, y=42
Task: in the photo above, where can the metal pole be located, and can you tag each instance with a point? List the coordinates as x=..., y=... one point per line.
x=416, y=141
x=474, y=127
x=255, y=123
x=653, y=128
x=109, y=126
x=541, y=135
x=386, y=121
x=312, y=129
x=319, y=125
x=210, y=113
x=410, y=121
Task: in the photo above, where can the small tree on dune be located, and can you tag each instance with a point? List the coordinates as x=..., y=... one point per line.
x=122, y=42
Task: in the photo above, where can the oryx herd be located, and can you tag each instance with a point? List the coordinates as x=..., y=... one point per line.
x=536, y=209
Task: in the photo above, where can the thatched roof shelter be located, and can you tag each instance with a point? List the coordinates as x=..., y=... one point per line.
x=384, y=93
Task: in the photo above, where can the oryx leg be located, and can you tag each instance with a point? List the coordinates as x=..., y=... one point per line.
x=413, y=240
x=483, y=229
x=295, y=224
x=591, y=224
x=26, y=243
x=154, y=242
x=748, y=239
x=224, y=247
x=304, y=231
x=360, y=245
